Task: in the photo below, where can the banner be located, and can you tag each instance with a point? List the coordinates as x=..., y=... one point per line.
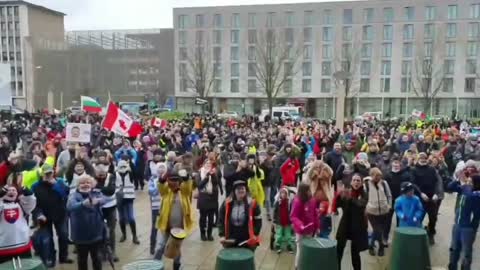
x=76, y=132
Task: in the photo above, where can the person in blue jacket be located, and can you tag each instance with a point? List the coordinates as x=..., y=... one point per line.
x=126, y=150
x=87, y=225
x=408, y=207
x=467, y=218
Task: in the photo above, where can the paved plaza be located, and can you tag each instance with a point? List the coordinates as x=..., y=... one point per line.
x=198, y=255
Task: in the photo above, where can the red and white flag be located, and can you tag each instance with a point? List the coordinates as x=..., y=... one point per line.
x=120, y=123
x=419, y=114
x=160, y=123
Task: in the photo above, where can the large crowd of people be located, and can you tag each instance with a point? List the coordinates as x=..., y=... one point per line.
x=242, y=174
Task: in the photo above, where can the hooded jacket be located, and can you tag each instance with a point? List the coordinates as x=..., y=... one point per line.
x=409, y=211
x=467, y=214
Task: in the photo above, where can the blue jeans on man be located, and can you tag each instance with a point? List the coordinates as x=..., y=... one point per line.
x=161, y=243
x=462, y=241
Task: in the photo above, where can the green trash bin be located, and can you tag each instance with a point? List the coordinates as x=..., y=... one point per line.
x=315, y=250
x=410, y=249
x=25, y=264
x=235, y=259
x=144, y=265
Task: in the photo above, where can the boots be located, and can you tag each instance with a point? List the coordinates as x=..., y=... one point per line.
x=209, y=234
x=133, y=227
x=203, y=236
x=123, y=229
x=176, y=266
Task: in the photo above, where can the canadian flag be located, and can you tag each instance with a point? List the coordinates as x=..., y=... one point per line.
x=419, y=114
x=160, y=123
x=120, y=123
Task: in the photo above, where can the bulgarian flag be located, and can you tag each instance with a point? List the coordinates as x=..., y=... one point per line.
x=159, y=123
x=120, y=123
x=90, y=105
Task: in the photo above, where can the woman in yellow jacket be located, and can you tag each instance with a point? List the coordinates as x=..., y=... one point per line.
x=176, y=194
x=255, y=186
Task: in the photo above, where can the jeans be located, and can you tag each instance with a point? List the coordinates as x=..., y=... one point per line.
x=284, y=236
x=462, y=240
x=388, y=225
x=431, y=208
x=298, y=240
x=354, y=251
x=206, y=221
x=325, y=227
x=268, y=202
x=62, y=234
x=161, y=243
x=378, y=225
x=110, y=215
x=82, y=256
x=125, y=211
x=153, y=231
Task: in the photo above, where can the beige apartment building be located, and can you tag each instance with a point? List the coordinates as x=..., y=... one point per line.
x=400, y=55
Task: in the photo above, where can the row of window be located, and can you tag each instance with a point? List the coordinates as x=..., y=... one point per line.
x=9, y=11
x=309, y=16
x=365, y=68
x=10, y=41
x=10, y=26
x=368, y=34
x=446, y=85
x=11, y=56
x=347, y=52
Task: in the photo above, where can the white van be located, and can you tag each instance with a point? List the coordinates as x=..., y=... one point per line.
x=276, y=115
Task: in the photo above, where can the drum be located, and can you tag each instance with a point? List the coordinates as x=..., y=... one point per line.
x=172, y=249
x=23, y=264
x=410, y=249
x=314, y=250
x=144, y=265
x=235, y=259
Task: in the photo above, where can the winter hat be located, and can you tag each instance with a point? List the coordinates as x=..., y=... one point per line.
x=361, y=156
x=239, y=183
x=406, y=187
x=101, y=167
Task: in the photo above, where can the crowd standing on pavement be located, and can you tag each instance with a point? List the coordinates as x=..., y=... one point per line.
x=242, y=174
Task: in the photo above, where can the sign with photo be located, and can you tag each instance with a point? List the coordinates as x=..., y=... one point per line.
x=78, y=132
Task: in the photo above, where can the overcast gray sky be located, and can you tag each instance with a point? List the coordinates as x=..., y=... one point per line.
x=128, y=14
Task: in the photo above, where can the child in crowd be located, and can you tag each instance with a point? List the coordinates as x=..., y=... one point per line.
x=408, y=207
x=158, y=170
x=281, y=219
x=304, y=216
x=467, y=218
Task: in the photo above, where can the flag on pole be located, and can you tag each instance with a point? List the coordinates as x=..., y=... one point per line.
x=157, y=122
x=120, y=123
x=90, y=105
x=419, y=114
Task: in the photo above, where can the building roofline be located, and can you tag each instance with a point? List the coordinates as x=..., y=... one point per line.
x=284, y=4
x=21, y=2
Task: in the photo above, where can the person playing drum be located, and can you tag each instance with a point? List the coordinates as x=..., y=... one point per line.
x=175, y=213
x=240, y=219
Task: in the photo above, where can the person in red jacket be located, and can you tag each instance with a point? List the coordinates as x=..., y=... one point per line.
x=289, y=170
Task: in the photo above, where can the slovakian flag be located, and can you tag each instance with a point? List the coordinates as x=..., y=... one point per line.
x=90, y=105
x=159, y=123
x=120, y=123
x=419, y=114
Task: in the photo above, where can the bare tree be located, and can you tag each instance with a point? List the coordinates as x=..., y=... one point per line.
x=346, y=67
x=198, y=74
x=277, y=62
x=429, y=72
